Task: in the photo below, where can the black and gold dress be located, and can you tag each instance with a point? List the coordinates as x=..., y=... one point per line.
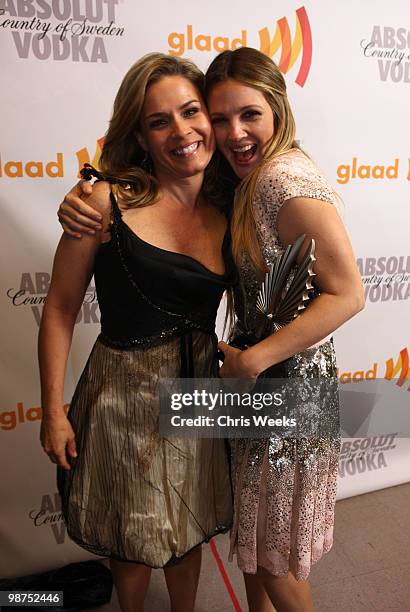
x=132, y=494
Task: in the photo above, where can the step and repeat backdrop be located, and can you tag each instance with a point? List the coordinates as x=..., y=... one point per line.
x=347, y=67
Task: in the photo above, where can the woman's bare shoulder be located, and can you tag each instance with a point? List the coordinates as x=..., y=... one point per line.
x=99, y=199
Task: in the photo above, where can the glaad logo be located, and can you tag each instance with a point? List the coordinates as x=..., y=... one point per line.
x=10, y=419
x=67, y=30
x=32, y=293
x=51, y=169
x=385, y=278
x=180, y=42
x=357, y=170
x=290, y=51
x=402, y=367
x=32, y=169
x=50, y=514
x=391, y=48
x=398, y=372
x=83, y=155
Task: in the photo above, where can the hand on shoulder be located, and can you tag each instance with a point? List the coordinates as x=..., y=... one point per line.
x=99, y=198
x=77, y=214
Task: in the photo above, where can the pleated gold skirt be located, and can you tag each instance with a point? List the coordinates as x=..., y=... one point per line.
x=132, y=494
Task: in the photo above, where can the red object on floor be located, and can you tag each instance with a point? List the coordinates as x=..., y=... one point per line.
x=225, y=578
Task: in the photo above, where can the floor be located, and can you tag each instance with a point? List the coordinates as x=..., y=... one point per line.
x=368, y=568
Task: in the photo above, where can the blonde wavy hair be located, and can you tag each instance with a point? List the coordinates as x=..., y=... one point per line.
x=253, y=68
x=122, y=155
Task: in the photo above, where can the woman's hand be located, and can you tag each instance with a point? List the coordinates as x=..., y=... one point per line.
x=236, y=364
x=77, y=217
x=58, y=439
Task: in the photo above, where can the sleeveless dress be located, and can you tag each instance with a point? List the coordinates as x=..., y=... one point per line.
x=131, y=494
x=285, y=489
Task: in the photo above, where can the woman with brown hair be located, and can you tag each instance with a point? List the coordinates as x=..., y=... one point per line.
x=284, y=489
x=128, y=493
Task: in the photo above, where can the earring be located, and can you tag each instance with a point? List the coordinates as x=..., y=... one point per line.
x=146, y=163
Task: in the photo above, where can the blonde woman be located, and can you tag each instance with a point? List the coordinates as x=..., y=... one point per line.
x=128, y=493
x=284, y=492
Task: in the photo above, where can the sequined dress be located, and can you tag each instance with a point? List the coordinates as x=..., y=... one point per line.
x=132, y=494
x=285, y=489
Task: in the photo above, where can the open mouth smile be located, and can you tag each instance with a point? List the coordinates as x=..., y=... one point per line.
x=244, y=154
x=186, y=151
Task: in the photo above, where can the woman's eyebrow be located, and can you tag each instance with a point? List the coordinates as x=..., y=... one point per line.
x=239, y=110
x=190, y=102
x=162, y=113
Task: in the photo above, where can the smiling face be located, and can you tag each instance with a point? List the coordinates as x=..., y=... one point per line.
x=175, y=128
x=243, y=124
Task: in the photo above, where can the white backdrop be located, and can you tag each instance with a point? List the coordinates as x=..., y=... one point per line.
x=348, y=72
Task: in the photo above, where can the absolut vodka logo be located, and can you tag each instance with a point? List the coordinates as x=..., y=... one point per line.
x=385, y=278
x=31, y=292
x=68, y=30
x=365, y=454
x=49, y=514
x=389, y=48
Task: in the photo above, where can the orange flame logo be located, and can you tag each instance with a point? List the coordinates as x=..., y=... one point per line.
x=290, y=51
x=401, y=367
x=83, y=156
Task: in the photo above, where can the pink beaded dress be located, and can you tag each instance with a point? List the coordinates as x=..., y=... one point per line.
x=285, y=488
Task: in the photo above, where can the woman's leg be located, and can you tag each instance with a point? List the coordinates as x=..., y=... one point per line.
x=258, y=599
x=131, y=582
x=182, y=581
x=286, y=593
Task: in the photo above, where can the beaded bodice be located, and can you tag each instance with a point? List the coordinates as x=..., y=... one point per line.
x=147, y=294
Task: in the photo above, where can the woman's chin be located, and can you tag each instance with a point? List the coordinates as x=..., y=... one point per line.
x=191, y=167
x=241, y=167
x=242, y=170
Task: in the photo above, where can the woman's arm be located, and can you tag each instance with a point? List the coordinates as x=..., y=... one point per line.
x=72, y=272
x=76, y=216
x=337, y=278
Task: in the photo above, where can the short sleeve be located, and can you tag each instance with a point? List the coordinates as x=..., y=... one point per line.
x=291, y=175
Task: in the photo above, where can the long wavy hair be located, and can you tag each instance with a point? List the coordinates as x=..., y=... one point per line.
x=122, y=155
x=256, y=70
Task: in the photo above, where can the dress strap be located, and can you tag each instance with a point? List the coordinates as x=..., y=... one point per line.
x=88, y=172
x=116, y=212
